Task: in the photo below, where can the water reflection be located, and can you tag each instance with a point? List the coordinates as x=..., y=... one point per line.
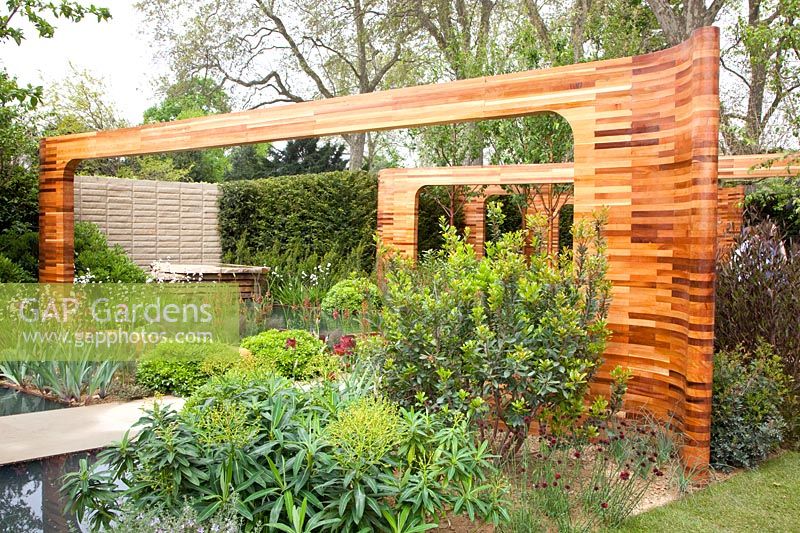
x=29, y=495
x=13, y=402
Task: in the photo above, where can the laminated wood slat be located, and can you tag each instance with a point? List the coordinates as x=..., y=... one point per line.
x=645, y=131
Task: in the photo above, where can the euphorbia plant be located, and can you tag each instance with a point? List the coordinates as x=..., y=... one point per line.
x=509, y=337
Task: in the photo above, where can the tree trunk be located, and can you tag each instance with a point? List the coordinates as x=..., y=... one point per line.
x=356, y=142
x=758, y=82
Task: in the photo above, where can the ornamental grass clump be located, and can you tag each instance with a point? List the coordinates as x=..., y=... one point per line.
x=509, y=338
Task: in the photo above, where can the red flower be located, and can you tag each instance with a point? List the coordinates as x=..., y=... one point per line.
x=558, y=476
x=624, y=475
x=604, y=505
x=291, y=343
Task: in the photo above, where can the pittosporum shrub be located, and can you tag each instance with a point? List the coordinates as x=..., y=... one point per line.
x=758, y=299
x=330, y=458
x=350, y=295
x=293, y=353
x=96, y=261
x=180, y=368
x=749, y=390
x=511, y=337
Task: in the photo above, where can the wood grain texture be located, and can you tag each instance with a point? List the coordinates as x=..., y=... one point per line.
x=645, y=131
x=758, y=166
x=650, y=155
x=729, y=199
x=475, y=215
x=730, y=215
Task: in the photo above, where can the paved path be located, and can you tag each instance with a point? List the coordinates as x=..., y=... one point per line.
x=48, y=433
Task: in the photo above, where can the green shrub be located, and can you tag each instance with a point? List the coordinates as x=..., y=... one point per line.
x=293, y=353
x=23, y=249
x=776, y=200
x=531, y=331
x=334, y=211
x=365, y=432
x=758, y=300
x=278, y=451
x=95, y=261
x=128, y=391
x=180, y=368
x=350, y=294
x=10, y=272
x=746, y=422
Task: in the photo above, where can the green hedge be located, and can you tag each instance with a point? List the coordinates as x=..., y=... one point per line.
x=319, y=212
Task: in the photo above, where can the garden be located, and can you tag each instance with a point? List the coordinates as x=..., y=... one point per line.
x=462, y=390
x=376, y=424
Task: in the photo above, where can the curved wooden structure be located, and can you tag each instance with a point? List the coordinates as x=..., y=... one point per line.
x=729, y=199
x=645, y=131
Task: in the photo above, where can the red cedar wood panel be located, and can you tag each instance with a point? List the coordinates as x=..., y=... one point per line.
x=729, y=199
x=475, y=216
x=730, y=213
x=645, y=131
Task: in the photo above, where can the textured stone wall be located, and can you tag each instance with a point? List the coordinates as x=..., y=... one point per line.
x=153, y=220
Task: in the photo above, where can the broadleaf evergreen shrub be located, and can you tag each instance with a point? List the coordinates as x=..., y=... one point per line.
x=180, y=368
x=510, y=337
x=294, y=353
x=96, y=261
x=22, y=248
x=776, y=200
x=283, y=221
x=334, y=211
x=749, y=390
x=350, y=295
x=11, y=272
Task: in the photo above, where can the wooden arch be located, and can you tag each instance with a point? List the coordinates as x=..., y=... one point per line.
x=645, y=131
x=729, y=199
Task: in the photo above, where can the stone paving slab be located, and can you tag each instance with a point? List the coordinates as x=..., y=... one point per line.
x=36, y=435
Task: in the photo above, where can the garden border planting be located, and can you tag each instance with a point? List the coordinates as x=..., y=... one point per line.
x=645, y=131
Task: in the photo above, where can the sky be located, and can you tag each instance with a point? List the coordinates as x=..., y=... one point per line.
x=113, y=51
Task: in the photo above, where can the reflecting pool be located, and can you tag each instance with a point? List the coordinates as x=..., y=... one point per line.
x=30, y=501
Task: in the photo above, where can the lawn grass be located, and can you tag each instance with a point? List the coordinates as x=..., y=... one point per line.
x=765, y=499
